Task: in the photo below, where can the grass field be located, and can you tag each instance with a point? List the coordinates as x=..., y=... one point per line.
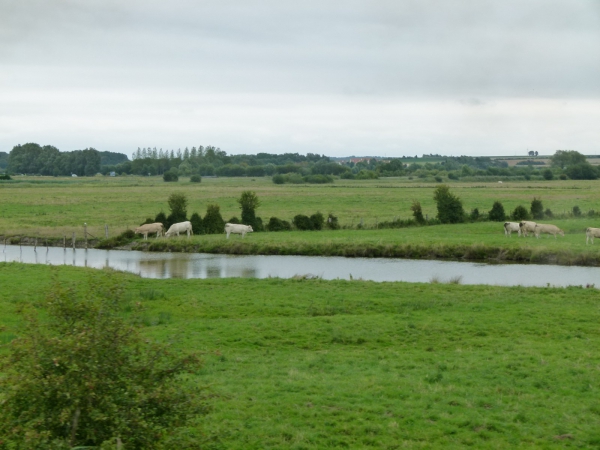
x=46, y=206
x=312, y=364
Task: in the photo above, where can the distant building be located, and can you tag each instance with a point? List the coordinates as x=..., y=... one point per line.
x=113, y=174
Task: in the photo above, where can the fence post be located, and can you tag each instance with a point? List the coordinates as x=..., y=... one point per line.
x=85, y=234
x=65, y=242
x=106, y=231
x=73, y=240
x=35, y=245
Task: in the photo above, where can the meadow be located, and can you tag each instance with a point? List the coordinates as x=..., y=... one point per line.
x=56, y=207
x=313, y=364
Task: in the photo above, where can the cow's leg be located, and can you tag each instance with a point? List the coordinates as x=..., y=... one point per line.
x=228, y=235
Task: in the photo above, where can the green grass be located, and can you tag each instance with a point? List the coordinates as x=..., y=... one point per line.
x=46, y=206
x=313, y=364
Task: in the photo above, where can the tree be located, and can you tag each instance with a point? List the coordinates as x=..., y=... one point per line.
x=178, y=206
x=248, y=203
x=520, y=213
x=213, y=221
x=197, y=226
x=583, y=171
x=417, y=212
x=565, y=158
x=171, y=175
x=84, y=377
x=450, y=209
x=537, y=209
x=547, y=174
x=497, y=213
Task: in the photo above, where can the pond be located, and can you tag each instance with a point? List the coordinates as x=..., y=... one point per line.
x=201, y=265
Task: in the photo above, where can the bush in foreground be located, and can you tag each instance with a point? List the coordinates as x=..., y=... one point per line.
x=85, y=378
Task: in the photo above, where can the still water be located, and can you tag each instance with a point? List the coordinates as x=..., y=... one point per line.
x=202, y=265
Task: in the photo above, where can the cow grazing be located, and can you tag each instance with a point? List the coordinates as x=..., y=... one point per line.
x=591, y=233
x=547, y=228
x=527, y=227
x=181, y=227
x=156, y=227
x=509, y=227
x=237, y=228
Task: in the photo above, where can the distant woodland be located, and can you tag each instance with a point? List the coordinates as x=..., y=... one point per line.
x=34, y=159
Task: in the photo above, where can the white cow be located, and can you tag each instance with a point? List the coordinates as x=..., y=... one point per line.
x=547, y=228
x=509, y=227
x=237, y=228
x=527, y=227
x=591, y=233
x=156, y=227
x=181, y=227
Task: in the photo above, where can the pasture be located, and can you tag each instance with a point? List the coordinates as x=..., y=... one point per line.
x=312, y=364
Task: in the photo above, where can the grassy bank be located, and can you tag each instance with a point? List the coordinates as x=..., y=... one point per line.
x=312, y=364
x=484, y=241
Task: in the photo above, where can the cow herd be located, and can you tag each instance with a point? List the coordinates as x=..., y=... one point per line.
x=525, y=227
x=186, y=227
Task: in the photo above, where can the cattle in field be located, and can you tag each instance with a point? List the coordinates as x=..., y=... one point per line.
x=509, y=227
x=547, y=228
x=147, y=228
x=527, y=227
x=181, y=227
x=590, y=234
x=237, y=228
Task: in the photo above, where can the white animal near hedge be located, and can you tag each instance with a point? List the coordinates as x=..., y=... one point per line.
x=147, y=228
x=509, y=227
x=591, y=233
x=181, y=227
x=547, y=228
x=237, y=228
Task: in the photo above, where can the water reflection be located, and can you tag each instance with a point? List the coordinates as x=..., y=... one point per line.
x=186, y=265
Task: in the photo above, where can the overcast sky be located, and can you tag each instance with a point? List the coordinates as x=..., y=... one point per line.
x=351, y=77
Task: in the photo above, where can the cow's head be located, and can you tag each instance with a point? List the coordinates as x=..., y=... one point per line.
x=250, y=230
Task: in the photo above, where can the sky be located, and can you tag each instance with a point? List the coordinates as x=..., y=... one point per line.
x=353, y=77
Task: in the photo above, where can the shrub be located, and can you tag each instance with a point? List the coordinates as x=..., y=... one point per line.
x=452, y=175
x=548, y=213
x=195, y=178
x=537, y=209
x=5, y=176
x=576, y=211
x=450, y=209
x=197, y=226
x=162, y=218
x=497, y=213
x=178, y=206
x=302, y=222
x=474, y=214
x=278, y=179
x=366, y=175
x=85, y=378
x=417, y=212
x=562, y=176
x=317, y=221
x=438, y=179
x=318, y=179
x=148, y=220
x=520, y=213
x=547, y=174
x=347, y=175
x=213, y=221
x=248, y=203
x=171, y=175
x=276, y=224
x=234, y=220
x=332, y=222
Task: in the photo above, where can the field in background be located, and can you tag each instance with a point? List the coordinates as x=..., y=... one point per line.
x=45, y=206
x=312, y=364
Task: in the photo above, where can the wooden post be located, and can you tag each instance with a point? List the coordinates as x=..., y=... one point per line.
x=65, y=242
x=73, y=240
x=35, y=245
x=85, y=234
x=106, y=231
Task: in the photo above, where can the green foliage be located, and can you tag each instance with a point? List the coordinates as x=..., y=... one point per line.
x=583, y=171
x=195, y=178
x=548, y=213
x=318, y=179
x=332, y=222
x=417, y=212
x=278, y=179
x=197, y=226
x=118, y=241
x=302, y=222
x=576, y=211
x=249, y=202
x=84, y=377
x=449, y=206
x=276, y=224
x=171, y=175
x=213, y=221
x=547, y=174
x=162, y=218
x=317, y=220
x=5, y=177
x=520, y=213
x=48, y=160
x=474, y=216
x=497, y=213
x=178, y=205
x=566, y=158
x=537, y=209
